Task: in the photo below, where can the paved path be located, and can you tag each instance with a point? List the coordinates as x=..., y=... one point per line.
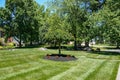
x=113, y=50
x=118, y=75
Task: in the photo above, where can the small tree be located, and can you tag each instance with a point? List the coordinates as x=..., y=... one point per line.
x=58, y=30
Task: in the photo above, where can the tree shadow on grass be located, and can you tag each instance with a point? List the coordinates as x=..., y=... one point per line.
x=111, y=48
x=29, y=46
x=56, y=47
x=105, y=53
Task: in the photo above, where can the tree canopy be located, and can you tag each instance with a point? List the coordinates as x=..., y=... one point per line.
x=77, y=20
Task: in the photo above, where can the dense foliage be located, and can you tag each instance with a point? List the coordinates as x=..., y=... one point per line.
x=77, y=20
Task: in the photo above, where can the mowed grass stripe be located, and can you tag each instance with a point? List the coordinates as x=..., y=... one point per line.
x=17, y=68
x=51, y=70
x=105, y=72
x=115, y=71
x=14, y=55
x=12, y=62
x=91, y=70
x=19, y=60
x=78, y=70
x=5, y=55
x=40, y=74
x=22, y=71
x=29, y=56
x=20, y=52
x=22, y=67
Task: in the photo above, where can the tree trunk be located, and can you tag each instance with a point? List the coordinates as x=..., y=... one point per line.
x=55, y=43
x=86, y=43
x=118, y=45
x=31, y=43
x=79, y=45
x=59, y=47
x=75, y=42
x=20, y=42
x=31, y=39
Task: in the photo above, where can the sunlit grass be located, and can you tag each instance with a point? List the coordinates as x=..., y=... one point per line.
x=28, y=64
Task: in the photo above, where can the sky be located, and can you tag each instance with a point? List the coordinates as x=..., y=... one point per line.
x=41, y=2
x=2, y=3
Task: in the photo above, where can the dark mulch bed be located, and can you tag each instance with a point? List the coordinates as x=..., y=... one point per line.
x=60, y=57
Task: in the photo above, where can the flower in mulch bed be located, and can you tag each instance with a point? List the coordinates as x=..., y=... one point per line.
x=68, y=56
x=48, y=56
x=60, y=57
x=57, y=57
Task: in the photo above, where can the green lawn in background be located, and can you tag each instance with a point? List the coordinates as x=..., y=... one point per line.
x=28, y=64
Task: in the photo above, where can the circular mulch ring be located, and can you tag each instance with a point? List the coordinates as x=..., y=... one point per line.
x=60, y=57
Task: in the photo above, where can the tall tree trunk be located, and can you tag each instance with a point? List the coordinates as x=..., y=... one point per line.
x=59, y=47
x=20, y=42
x=31, y=39
x=87, y=44
x=31, y=43
x=117, y=45
x=75, y=42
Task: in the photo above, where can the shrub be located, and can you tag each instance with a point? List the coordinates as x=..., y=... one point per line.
x=2, y=41
x=1, y=47
x=10, y=45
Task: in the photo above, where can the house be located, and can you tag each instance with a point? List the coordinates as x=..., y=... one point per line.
x=12, y=39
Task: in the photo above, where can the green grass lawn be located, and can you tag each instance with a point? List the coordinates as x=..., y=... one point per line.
x=28, y=64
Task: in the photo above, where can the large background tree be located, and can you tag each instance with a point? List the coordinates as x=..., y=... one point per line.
x=76, y=17
x=111, y=14
x=23, y=20
x=79, y=16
